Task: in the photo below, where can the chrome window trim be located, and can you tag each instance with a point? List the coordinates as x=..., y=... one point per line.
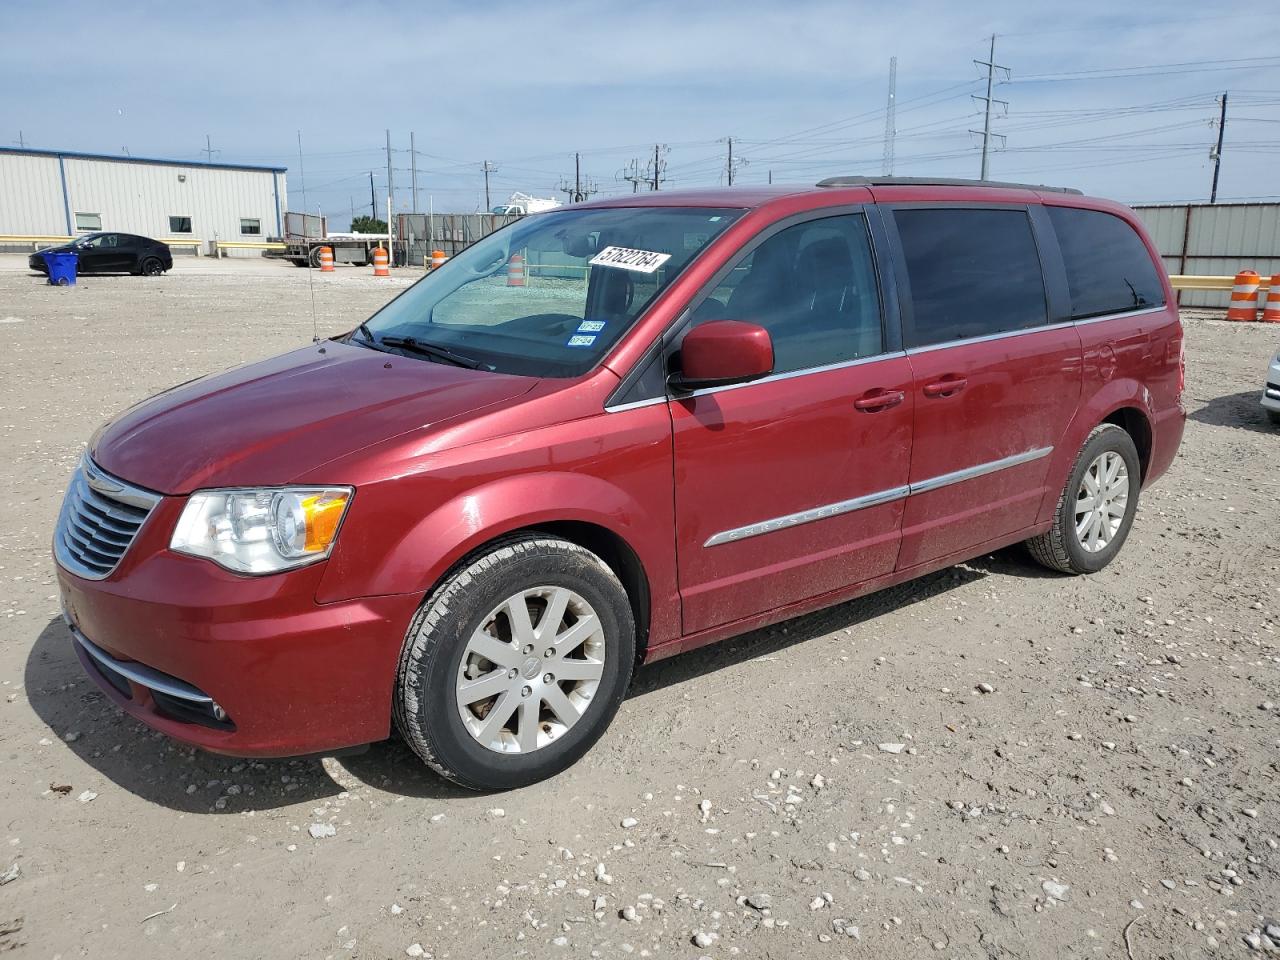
x=912, y=351
x=772, y=378
x=1122, y=314
x=875, y=499
x=139, y=673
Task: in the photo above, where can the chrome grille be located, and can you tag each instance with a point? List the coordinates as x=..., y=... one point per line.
x=100, y=517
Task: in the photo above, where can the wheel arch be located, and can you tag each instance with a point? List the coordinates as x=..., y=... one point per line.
x=1136, y=423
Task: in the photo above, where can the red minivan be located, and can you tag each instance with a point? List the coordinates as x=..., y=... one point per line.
x=608, y=434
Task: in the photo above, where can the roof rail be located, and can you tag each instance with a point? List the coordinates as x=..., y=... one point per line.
x=935, y=182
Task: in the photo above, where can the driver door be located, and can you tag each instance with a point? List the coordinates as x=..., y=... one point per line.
x=792, y=486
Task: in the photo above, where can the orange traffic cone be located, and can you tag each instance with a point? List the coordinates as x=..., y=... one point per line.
x=326, y=259
x=437, y=259
x=1271, y=309
x=515, y=271
x=380, y=263
x=1244, y=297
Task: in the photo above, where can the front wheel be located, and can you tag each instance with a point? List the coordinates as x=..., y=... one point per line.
x=1097, y=505
x=515, y=665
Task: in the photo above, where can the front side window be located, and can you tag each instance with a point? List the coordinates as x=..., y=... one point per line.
x=1108, y=267
x=813, y=287
x=250, y=228
x=101, y=241
x=973, y=272
x=549, y=295
x=179, y=224
x=88, y=221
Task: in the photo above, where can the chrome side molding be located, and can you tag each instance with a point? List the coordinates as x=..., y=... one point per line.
x=875, y=499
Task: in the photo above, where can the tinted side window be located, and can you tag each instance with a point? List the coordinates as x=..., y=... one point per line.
x=1108, y=267
x=813, y=287
x=972, y=272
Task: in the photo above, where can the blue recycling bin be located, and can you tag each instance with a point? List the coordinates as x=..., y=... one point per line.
x=62, y=268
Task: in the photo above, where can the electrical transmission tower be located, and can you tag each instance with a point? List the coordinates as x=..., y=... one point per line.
x=633, y=175
x=580, y=189
x=890, y=118
x=988, y=100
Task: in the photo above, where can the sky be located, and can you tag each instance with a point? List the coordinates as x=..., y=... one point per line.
x=1119, y=100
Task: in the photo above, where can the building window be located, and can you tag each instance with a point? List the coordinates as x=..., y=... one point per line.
x=179, y=224
x=250, y=228
x=88, y=221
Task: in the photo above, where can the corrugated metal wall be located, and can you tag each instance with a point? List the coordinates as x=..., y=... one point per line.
x=1216, y=240
x=137, y=197
x=31, y=196
x=450, y=232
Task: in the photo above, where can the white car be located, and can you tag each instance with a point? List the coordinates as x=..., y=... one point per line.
x=1271, y=390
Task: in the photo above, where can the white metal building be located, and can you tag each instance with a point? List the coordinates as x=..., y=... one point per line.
x=57, y=193
x=1217, y=240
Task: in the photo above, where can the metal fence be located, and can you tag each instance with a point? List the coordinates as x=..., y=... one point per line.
x=1216, y=240
x=420, y=233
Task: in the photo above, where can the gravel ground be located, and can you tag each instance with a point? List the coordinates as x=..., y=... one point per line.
x=835, y=786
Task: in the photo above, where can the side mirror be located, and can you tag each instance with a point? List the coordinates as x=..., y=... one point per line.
x=722, y=352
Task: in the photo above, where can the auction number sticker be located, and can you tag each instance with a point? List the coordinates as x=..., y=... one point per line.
x=624, y=258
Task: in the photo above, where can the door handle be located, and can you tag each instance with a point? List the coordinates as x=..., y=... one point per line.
x=946, y=387
x=876, y=400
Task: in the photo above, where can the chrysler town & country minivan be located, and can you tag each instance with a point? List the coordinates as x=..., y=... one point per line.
x=612, y=433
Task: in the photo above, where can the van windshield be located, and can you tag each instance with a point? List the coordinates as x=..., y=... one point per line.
x=549, y=295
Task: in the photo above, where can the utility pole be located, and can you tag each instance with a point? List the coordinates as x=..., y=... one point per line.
x=658, y=166
x=208, y=150
x=390, y=179
x=633, y=176
x=22, y=143
x=1217, y=151
x=890, y=118
x=413, y=170
x=577, y=177
x=302, y=173
x=731, y=161
x=373, y=199
x=992, y=67
x=488, y=169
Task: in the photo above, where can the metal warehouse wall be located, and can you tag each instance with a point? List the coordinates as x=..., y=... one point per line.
x=136, y=196
x=1216, y=240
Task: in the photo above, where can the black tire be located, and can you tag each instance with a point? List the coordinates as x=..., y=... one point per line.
x=314, y=257
x=1060, y=548
x=151, y=267
x=425, y=702
x=1274, y=417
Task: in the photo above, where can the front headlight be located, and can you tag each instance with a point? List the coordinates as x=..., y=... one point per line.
x=261, y=531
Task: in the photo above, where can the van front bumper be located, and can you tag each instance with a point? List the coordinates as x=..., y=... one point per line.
x=243, y=666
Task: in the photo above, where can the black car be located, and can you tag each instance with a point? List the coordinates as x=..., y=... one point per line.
x=112, y=253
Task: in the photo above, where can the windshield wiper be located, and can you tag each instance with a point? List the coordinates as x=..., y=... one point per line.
x=414, y=345
x=369, y=341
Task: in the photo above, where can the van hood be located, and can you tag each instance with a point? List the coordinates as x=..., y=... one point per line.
x=268, y=423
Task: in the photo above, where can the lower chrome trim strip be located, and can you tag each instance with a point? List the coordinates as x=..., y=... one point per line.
x=140, y=674
x=982, y=469
x=808, y=516
x=875, y=499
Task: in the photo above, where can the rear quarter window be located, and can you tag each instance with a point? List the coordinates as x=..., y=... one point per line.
x=972, y=272
x=1108, y=267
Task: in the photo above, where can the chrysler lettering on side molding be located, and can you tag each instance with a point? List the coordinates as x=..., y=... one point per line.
x=472, y=517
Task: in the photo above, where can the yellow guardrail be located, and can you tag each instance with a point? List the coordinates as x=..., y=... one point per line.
x=180, y=242
x=34, y=241
x=1186, y=281
x=220, y=245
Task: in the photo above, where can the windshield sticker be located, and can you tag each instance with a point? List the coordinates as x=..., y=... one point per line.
x=581, y=341
x=590, y=326
x=624, y=258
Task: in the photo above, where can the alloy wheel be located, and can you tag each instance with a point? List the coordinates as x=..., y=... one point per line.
x=1101, y=501
x=530, y=670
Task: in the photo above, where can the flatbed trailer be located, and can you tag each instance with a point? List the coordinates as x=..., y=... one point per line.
x=306, y=233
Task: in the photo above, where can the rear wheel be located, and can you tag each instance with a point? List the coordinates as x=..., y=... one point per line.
x=1096, y=509
x=315, y=257
x=516, y=664
x=151, y=267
